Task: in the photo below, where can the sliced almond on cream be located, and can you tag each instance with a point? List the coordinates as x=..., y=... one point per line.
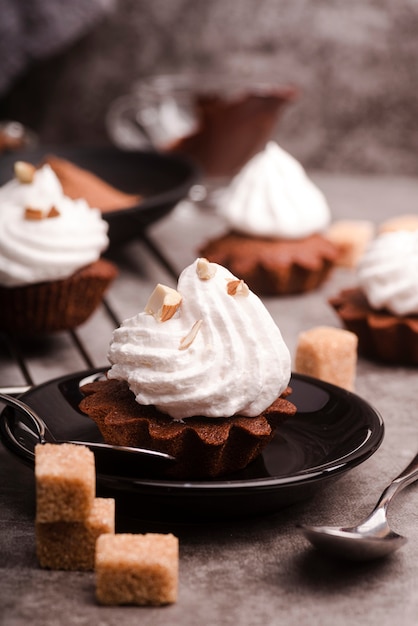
x=237, y=288
x=24, y=171
x=205, y=270
x=163, y=303
x=33, y=214
x=53, y=212
x=187, y=341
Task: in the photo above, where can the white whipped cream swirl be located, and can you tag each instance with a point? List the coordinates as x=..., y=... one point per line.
x=272, y=196
x=388, y=272
x=238, y=362
x=38, y=250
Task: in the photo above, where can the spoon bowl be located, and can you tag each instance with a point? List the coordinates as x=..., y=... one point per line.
x=371, y=539
x=348, y=543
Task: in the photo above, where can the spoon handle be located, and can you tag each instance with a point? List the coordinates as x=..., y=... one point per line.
x=409, y=474
x=405, y=478
x=107, y=456
x=36, y=420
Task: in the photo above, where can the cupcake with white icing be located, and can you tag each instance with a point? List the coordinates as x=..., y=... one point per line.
x=52, y=276
x=276, y=217
x=202, y=373
x=383, y=308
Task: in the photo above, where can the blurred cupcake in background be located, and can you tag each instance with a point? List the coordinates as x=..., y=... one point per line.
x=52, y=276
x=382, y=309
x=276, y=217
x=218, y=118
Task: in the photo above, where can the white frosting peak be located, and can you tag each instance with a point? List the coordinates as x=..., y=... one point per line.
x=388, y=272
x=220, y=353
x=272, y=196
x=38, y=250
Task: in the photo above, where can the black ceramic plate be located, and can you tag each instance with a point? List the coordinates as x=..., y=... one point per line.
x=161, y=179
x=332, y=432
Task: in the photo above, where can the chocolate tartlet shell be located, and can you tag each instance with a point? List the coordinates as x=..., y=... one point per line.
x=382, y=336
x=274, y=266
x=56, y=305
x=232, y=129
x=203, y=448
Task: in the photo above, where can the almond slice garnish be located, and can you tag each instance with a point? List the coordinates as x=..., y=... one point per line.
x=53, y=212
x=24, y=171
x=163, y=303
x=237, y=288
x=205, y=270
x=187, y=341
x=33, y=214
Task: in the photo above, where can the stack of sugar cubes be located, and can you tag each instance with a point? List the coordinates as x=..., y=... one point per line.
x=75, y=530
x=69, y=518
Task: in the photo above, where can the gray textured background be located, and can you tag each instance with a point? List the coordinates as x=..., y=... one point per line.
x=356, y=64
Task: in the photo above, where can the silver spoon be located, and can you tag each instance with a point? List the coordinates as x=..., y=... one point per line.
x=372, y=538
x=140, y=459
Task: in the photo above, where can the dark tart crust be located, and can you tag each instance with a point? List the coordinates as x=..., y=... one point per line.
x=56, y=305
x=274, y=266
x=204, y=448
x=382, y=336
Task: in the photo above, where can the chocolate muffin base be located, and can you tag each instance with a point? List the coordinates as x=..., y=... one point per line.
x=382, y=336
x=274, y=266
x=203, y=447
x=57, y=305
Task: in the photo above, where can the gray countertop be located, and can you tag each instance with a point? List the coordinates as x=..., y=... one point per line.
x=252, y=571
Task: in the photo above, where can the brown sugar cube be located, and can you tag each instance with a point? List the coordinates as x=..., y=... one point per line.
x=137, y=569
x=72, y=545
x=65, y=479
x=351, y=238
x=329, y=354
x=399, y=222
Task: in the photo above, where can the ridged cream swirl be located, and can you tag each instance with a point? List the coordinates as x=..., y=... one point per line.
x=272, y=196
x=38, y=250
x=388, y=272
x=238, y=362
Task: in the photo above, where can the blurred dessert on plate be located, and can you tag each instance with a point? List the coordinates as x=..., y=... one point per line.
x=276, y=217
x=202, y=374
x=230, y=130
x=220, y=119
x=52, y=276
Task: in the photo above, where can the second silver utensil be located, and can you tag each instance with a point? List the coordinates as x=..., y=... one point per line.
x=140, y=459
x=373, y=537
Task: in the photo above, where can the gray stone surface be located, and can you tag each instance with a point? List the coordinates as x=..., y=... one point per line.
x=257, y=571
x=355, y=63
